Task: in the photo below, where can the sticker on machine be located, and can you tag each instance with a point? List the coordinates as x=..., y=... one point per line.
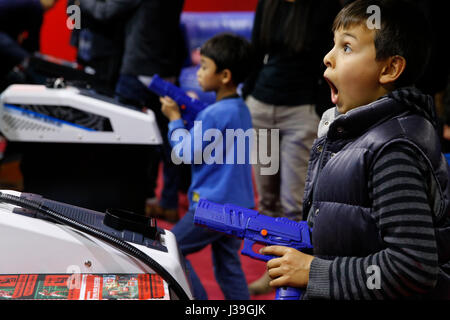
x=83, y=287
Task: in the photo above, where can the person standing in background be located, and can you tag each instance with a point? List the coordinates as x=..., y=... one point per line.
x=100, y=40
x=20, y=29
x=154, y=44
x=286, y=92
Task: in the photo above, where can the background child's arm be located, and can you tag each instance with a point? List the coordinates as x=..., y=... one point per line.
x=189, y=145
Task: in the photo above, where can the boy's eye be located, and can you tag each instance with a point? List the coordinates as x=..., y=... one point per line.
x=347, y=48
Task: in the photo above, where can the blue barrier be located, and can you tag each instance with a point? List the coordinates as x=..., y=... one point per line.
x=447, y=156
x=200, y=26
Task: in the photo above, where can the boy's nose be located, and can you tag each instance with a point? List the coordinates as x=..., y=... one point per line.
x=328, y=59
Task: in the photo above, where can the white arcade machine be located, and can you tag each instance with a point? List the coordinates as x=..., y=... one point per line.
x=78, y=146
x=37, y=113
x=51, y=250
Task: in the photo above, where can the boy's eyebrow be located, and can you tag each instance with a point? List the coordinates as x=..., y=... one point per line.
x=350, y=35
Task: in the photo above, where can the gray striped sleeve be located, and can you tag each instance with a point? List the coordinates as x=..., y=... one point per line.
x=402, y=208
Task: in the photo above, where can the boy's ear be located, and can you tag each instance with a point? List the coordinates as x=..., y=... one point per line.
x=393, y=68
x=226, y=76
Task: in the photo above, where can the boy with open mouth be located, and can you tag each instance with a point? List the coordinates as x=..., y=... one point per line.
x=378, y=187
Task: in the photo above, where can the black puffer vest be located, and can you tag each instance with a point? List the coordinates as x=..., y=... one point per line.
x=336, y=191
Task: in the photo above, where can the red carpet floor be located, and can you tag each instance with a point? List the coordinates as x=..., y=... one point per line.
x=202, y=262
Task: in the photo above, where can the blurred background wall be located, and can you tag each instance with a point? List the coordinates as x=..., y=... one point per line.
x=55, y=35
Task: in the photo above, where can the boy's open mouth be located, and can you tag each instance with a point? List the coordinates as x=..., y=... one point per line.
x=334, y=91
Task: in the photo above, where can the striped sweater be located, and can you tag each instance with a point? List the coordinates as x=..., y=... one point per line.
x=403, y=202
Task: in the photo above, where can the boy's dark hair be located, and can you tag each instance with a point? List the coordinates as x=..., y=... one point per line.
x=229, y=51
x=403, y=31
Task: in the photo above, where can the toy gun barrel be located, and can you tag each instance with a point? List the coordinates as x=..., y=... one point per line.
x=254, y=228
x=190, y=107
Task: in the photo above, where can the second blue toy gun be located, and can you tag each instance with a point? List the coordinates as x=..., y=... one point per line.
x=254, y=228
x=189, y=107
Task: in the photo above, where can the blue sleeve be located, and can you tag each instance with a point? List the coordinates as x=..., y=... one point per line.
x=188, y=146
x=174, y=125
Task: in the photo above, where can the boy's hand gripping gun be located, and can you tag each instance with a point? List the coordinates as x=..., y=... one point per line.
x=189, y=107
x=254, y=228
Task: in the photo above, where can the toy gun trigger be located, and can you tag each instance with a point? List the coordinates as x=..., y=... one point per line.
x=248, y=251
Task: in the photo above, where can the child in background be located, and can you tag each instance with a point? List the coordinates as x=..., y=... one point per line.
x=225, y=61
x=378, y=187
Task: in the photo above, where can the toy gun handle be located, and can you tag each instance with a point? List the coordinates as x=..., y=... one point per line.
x=288, y=293
x=282, y=293
x=189, y=107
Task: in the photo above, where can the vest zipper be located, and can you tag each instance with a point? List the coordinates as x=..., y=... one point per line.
x=319, y=169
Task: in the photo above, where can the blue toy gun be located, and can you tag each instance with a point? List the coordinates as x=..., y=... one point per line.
x=189, y=107
x=254, y=228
